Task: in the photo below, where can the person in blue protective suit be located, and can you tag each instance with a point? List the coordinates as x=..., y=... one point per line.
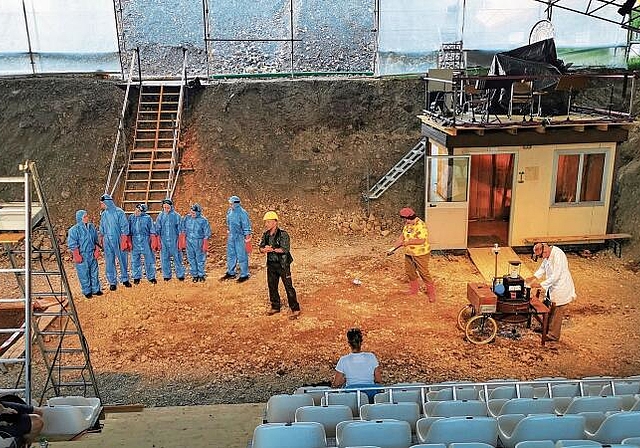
x=238, y=241
x=168, y=226
x=82, y=240
x=197, y=233
x=142, y=231
x=114, y=234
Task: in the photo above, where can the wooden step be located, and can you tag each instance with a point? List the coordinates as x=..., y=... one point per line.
x=150, y=161
x=145, y=191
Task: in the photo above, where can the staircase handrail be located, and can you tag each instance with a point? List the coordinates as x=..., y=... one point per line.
x=134, y=56
x=173, y=176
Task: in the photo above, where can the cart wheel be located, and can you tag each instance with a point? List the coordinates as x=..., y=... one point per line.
x=481, y=329
x=466, y=313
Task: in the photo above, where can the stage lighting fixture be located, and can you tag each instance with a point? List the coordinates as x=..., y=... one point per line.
x=626, y=7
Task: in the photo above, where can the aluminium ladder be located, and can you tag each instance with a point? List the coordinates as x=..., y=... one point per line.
x=49, y=315
x=409, y=159
x=152, y=166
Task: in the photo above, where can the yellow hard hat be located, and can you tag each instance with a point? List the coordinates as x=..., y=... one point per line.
x=270, y=215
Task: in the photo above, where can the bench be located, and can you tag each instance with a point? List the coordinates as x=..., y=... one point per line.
x=614, y=238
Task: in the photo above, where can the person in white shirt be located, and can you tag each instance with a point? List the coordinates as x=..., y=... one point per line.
x=557, y=282
x=358, y=368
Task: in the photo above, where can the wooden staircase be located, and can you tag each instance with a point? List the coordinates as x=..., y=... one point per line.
x=153, y=161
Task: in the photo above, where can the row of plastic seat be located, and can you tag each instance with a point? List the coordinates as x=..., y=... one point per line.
x=550, y=387
x=282, y=408
x=528, y=432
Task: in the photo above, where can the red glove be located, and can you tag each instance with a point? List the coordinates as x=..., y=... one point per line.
x=205, y=245
x=158, y=242
x=182, y=241
x=96, y=252
x=153, y=242
x=129, y=243
x=77, y=258
x=248, y=247
x=123, y=242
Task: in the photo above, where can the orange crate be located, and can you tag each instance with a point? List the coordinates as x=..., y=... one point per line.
x=482, y=298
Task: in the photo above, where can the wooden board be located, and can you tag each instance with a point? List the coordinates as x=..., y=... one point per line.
x=577, y=238
x=484, y=259
x=11, y=238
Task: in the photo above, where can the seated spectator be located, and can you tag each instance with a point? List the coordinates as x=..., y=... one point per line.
x=20, y=421
x=358, y=368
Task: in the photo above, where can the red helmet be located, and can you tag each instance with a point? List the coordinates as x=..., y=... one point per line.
x=407, y=212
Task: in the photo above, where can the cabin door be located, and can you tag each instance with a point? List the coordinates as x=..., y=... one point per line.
x=446, y=203
x=490, y=190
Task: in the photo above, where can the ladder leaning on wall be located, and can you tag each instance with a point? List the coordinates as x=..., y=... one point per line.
x=49, y=316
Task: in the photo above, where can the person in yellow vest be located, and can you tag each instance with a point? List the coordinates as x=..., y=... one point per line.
x=415, y=240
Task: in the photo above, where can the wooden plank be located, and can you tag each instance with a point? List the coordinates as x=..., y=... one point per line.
x=17, y=348
x=577, y=238
x=118, y=408
x=11, y=238
x=485, y=260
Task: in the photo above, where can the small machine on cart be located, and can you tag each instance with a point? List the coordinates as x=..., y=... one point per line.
x=507, y=299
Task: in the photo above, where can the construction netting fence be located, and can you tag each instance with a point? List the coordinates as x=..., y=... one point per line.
x=227, y=37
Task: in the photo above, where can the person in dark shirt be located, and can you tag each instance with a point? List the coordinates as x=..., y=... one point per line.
x=276, y=244
x=19, y=420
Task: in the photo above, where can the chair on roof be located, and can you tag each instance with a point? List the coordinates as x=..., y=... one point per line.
x=347, y=398
x=316, y=392
x=615, y=428
x=399, y=396
x=476, y=100
x=521, y=98
x=440, y=91
x=457, y=430
x=328, y=416
x=289, y=435
x=526, y=406
x=281, y=408
x=408, y=412
x=514, y=428
x=455, y=408
x=384, y=433
x=594, y=404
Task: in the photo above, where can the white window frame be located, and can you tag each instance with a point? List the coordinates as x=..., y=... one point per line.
x=581, y=153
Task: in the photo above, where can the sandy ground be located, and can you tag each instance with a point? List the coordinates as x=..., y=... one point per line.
x=220, y=426
x=187, y=333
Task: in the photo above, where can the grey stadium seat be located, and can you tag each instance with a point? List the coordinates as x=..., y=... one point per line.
x=328, y=416
x=281, y=408
x=457, y=430
x=289, y=435
x=514, y=428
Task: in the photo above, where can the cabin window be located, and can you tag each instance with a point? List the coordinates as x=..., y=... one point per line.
x=579, y=178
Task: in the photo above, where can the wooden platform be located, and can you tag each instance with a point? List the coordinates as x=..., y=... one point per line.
x=484, y=259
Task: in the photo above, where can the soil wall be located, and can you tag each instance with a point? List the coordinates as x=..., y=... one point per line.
x=307, y=148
